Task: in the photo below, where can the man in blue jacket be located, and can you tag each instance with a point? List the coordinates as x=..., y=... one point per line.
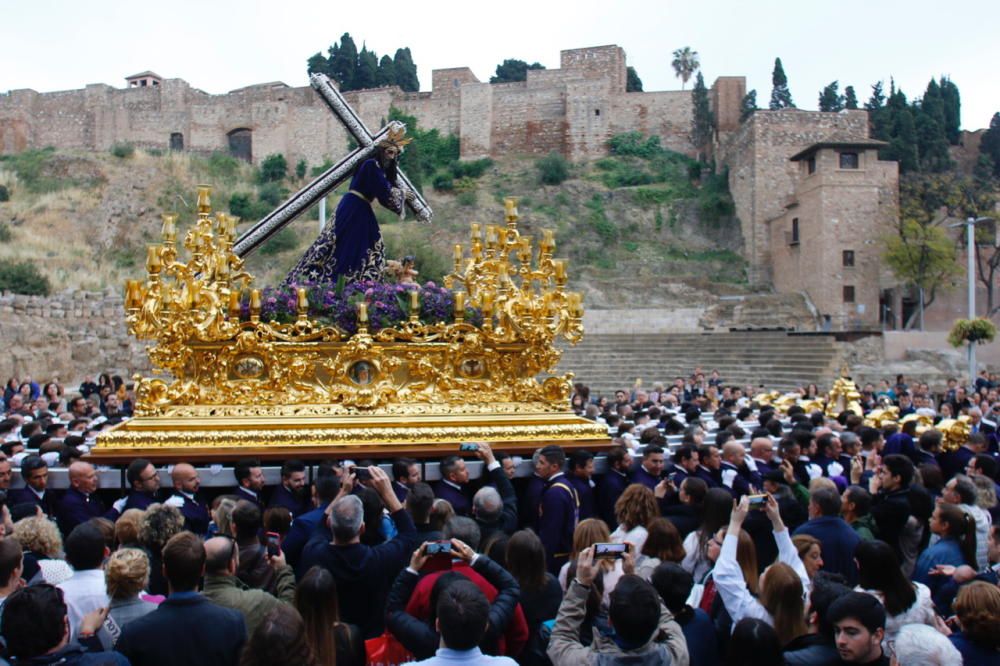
x=559, y=509
x=185, y=498
x=187, y=628
x=79, y=504
x=837, y=539
x=363, y=573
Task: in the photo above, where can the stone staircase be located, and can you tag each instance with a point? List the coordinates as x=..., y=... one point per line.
x=776, y=359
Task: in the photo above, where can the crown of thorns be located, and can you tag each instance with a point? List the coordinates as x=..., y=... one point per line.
x=396, y=137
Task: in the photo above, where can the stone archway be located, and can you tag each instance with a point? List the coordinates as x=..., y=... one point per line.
x=241, y=144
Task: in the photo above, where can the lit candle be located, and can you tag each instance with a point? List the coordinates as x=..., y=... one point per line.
x=255, y=302
x=415, y=302
x=458, y=252
x=510, y=206
x=362, y=313
x=459, y=303
x=303, y=301
x=560, y=267
x=153, y=259
x=234, y=303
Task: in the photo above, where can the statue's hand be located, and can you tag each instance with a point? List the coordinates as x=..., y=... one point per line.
x=410, y=195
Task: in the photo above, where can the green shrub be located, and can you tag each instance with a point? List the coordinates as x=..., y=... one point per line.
x=443, y=181
x=553, y=169
x=123, y=150
x=5, y=233
x=599, y=221
x=222, y=167
x=23, y=277
x=633, y=143
x=4, y=193
x=241, y=205
x=273, y=194
x=714, y=200
x=300, y=169
x=280, y=242
x=273, y=168
x=473, y=169
x=466, y=198
x=32, y=172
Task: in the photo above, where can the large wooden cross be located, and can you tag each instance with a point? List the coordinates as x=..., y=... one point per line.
x=326, y=182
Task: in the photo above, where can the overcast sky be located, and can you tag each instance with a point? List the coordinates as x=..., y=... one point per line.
x=220, y=45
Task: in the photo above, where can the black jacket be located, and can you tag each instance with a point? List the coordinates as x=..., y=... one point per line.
x=185, y=629
x=891, y=511
x=507, y=522
x=420, y=638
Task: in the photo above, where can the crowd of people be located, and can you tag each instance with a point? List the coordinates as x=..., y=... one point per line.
x=719, y=530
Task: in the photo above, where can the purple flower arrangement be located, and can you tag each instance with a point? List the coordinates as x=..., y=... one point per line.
x=337, y=304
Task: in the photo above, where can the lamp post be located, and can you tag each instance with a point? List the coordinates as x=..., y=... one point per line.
x=970, y=250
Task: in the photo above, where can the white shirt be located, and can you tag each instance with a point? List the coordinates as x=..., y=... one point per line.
x=83, y=593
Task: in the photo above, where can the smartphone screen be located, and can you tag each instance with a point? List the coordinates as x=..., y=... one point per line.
x=273, y=543
x=610, y=551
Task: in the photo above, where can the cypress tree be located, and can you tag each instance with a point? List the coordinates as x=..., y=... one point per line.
x=850, y=98
x=952, y=102
x=990, y=144
x=701, y=130
x=344, y=62
x=386, y=72
x=634, y=83
x=365, y=76
x=781, y=97
x=406, y=71
x=317, y=64
x=748, y=105
x=830, y=98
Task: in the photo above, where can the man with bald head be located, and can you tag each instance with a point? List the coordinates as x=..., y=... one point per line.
x=185, y=498
x=735, y=476
x=762, y=455
x=80, y=503
x=222, y=560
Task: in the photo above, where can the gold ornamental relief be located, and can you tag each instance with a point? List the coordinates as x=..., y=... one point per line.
x=221, y=364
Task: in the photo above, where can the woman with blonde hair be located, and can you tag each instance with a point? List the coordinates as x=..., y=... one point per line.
x=810, y=552
x=634, y=510
x=127, y=528
x=127, y=575
x=587, y=533
x=43, y=546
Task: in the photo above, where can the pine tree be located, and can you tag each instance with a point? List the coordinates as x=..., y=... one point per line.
x=781, y=97
x=830, y=98
x=386, y=72
x=406, y=71
x=990, y=144
x=903, y=143
x=634, y=83
x=344, y=62
x=366, y=75
x=850, y=98
x=952, y=102
x=702, y=122
x=748, y=105
x=877, y=100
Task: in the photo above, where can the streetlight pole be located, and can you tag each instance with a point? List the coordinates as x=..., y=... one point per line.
x=970, y=250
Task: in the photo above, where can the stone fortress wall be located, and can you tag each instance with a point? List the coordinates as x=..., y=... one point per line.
x=572, y=110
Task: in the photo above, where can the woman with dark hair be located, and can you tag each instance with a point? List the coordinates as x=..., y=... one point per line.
x=334, y=643
x=540, y=590
x=674, y=586
x=754, y=643
x=663, y=544
x=880, y=576
x=53, y=394
x=715, y=515
x=375, y=518
x=279, y=639
x=957, y=545
x=686, y=516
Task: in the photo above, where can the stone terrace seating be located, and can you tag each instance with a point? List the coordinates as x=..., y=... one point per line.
x=777, y=359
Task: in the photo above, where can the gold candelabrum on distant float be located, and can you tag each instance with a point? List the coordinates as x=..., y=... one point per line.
x=314, y=384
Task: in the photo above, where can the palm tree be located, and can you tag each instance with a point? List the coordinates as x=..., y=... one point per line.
x=685, y=64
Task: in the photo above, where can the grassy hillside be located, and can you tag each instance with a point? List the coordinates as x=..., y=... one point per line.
x=628, y=223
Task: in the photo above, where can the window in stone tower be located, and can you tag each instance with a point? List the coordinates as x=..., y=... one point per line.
x=597, y=112
x=811, y=164
x=848, y=293
x=848, y=258
x=848, y=160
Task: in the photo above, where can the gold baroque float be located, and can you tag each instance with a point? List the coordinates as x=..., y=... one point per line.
x=226, y=385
